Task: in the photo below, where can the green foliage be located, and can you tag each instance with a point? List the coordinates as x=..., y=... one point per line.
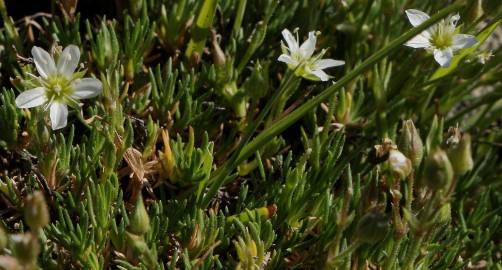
x=9, y=117
x=394, y=164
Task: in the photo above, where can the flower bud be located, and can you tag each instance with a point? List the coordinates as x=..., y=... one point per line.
x=232, y=94
x=410, y=143
x=36, y=213
x=135, y=7
x=257, y=84
x=460, y=155
x=372, y=227
x=438, y=172
x=139, y=220
x=342, y=112
x=25, y=248
x=399, y=164
x=444, y=215
x=2, y=6
x=130, y=70
x=136, y=242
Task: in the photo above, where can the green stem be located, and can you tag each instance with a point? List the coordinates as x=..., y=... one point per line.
x=342, y=217
x=3, y=11
x=367, y=10
x=345, y=253
x=329, y=118
x=220, y=176
x=409, y=193
x=297, y=114
x=201, y=30
x=413, y=252
x=268, y=134
x=391, y=261
x=241, y=9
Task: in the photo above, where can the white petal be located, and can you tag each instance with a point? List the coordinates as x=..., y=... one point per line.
x=308, y=47
x=443, y=57
x=68, y=60
x=31, y=98
x=419, y=41
x=43, y=61
x=462, y=41
x=59, y=115
x=453, y=20
x=86, y=88
x=416, y=17
x=287, y=59
x=321, y=75
x=290, y=40
x=327, y=63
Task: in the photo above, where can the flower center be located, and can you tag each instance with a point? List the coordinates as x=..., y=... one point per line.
x=58, y=88
x=442, y=38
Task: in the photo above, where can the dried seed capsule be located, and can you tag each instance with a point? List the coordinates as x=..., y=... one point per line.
x=399, y=164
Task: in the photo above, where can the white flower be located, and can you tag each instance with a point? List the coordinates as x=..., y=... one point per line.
x=300, y=57
x=441, y=39
x=58, y=86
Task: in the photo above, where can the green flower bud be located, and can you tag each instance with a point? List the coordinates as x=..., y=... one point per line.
x=438, y=172
x=36, y=213
x=399, y=164
x=2, y=6
x=135, y=7
x=139, y=220
x=136, y=242
x=25, y=248
x=257, y=84
x=342, y=112
x=444, y=215
x=410, y=144
x=372, y=227
x=234, y=97
x=130, y=70
x=460, y=155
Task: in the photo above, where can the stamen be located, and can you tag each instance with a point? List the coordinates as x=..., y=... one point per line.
x=48, y=104
x=58, y=89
